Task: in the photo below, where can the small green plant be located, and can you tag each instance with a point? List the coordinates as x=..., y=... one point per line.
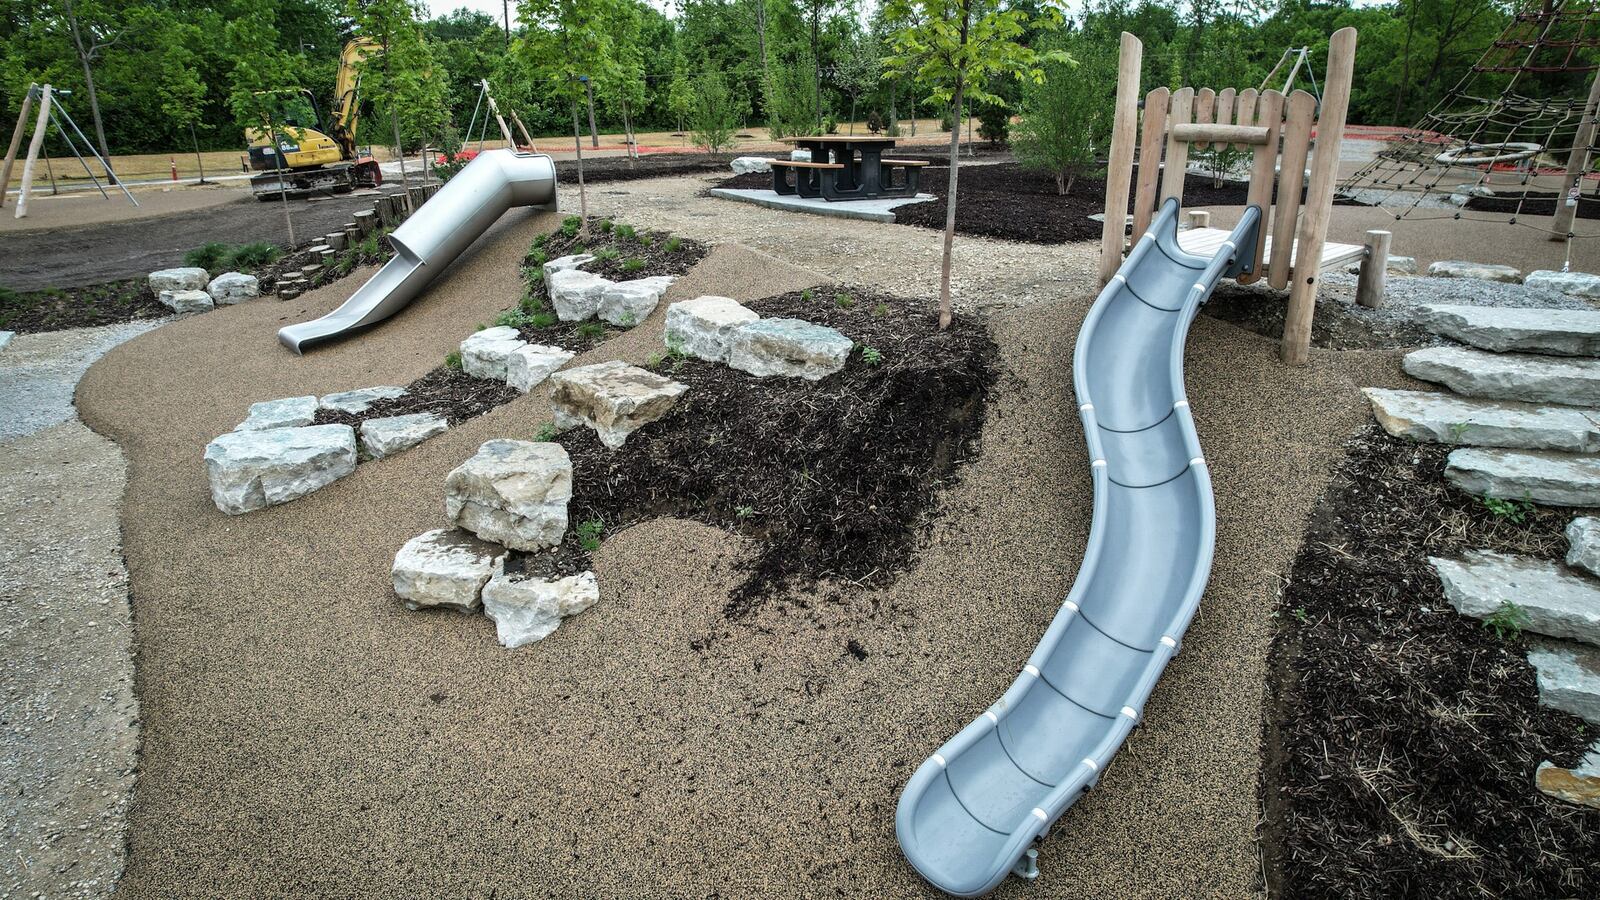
x=881, y=310
x=589, y=535
x=253, y=255
x=546, y=433
x=539, y=239
x=843, y=301
x=673, y=245
x=654, y=359
x=871, y=356
x=1515, y=511
x=543, y=319
x=1508, y=621
x=591, y=331
x=606, y=225
x=515, y=318
x=607, y=254
x=538, y=257
x=211, y=257
x=625, y=231
x=743, y=512
x=452, y=360
x=628, y=319
x=806, y=295
x=1458, y=431
x=647, y=239
x=1300, y=615
x=570, y=225
x=632, y=264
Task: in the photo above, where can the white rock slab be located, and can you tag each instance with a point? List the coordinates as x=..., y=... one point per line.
x=1557, y=332
x=613, y=398
x=513, y=493
x=5, y=338
x=790, y=347
x=446, y=568
x=1557, y=602
x=360, y=400
x=183, y=278
x=250, y=470
x=1551, y=479
x=1440, y=418
x=527, y=608
x=1457, y=268
x=1508, y=376
x=290, y=412
x=566, y=263
x=233, y=287
x=627, y=303
x=576, y=294
x=389, y=435
x=744, y=165
x=1575, y=284
x=186, y=301
x=1569, y=677
x=1583, y=544
x=529, y=365
x=487, y=354
x=800, y=154
x=704, y=327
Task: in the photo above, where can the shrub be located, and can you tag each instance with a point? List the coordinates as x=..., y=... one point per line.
x=994, y=123
x=632, y=264
x=211, y=257
x=570, y=225
x=874, y=121
x=254, y=255
x=452, y=360
x=626, y=231
x=673, y=245
x=1066, y=118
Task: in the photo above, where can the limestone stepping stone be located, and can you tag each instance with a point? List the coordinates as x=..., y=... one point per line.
x=250, y=470
x=704, y=327
x=5, y=338
x=360, y=400
x=613, y=398
x=389, y=435
x=1440, y=418
x=1508, y=376
x=527, y=608
x=566, y=263
x=233, y=287
x=183, y=278
x=1552, y=479
x=576, y=294
x=1397, y=265
x=445, y=567
x=1569, y=677
x=627, y=303
x=290, y=412
x=790, y=347
x=487, y=353
x=529, y=365
x=1557, y=332
x=1457, y=268
x=513, y=493
x=1578, y=785
x=1583, y=544
x=185, y=301
x=1576, y=284
x=1555, y=601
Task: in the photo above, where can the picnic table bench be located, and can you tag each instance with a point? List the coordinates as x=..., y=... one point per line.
x=836, y=172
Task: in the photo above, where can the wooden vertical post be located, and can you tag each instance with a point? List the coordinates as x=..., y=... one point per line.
x=40, y=125
x=1176, y=164
x=1296, y=348
x=1577, y=163
x=1374, y=270
x=16, y=141
x=1119, y=169
x=1151, y=142
x=1269, y=113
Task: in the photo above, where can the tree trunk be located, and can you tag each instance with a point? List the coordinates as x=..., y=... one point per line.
x=85, y=57
x=852, y=114
x=816, y=60
x=894, y=95
x=583, y=196
x=399, y=149
x=197, y=160
x=950, y=211
x=627, y=134
x=761, y=36
x=594, y=133
x=1061, y=184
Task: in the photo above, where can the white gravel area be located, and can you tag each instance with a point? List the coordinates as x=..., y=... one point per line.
x=39, y=372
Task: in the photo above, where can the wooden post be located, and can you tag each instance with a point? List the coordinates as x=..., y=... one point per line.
x=1199, y=218
x=16, y=141
x=1151, y=142
x=1577, y=163
x=1119, y=168
x=39, y=126
x=1374, y=270
x=1176, y=165
x=1296, y=348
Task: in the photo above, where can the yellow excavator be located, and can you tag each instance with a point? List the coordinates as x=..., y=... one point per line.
x=297, y=152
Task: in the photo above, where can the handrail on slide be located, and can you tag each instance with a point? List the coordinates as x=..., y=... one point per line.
x=972, y=809
x=493, y=182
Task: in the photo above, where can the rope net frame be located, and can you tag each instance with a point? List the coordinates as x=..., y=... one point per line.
x=1497, y=146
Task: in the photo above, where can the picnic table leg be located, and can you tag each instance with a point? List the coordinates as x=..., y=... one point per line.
x=871, y=171
x=780, y=180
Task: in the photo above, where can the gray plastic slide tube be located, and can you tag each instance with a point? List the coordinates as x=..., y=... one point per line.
x=465, y=207
x=970, y=811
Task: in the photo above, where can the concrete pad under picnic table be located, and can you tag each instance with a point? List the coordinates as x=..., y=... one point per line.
x=880, y=209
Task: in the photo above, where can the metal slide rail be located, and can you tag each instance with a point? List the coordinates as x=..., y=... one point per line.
x=971, y=811
x=495, y=181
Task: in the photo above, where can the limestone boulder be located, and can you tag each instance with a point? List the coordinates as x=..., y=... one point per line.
x=290, y=412
x=1552, y=479
x=5, y=338
x=1574, y=284
x=529, y=365
x=1457, y=268
x=1554, y=601
x=514, y=493
x=186, y=301
x=445, y=568
x=250, y=470
x=1556, y=332
x=233, y=287
x=528, y=608
x=566, y=263
x=800, y=154
x=487, y=353
x=789, y=347
x=389, y=435
x=613, y=398
x=1523, y=377
x=1569, y=677
x=627, y=303
x=576, y=294
x=744, y=165
x=183, y=278
x=704, y=327
x=1442, y=418
x=1583, y=544
x=360, y=400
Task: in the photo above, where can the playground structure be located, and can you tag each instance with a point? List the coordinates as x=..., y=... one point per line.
x=1279, y=129
x=494, y=182
x=50, y=111
x=971, y=811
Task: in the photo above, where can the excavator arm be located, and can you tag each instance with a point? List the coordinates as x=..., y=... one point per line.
x=346, y=109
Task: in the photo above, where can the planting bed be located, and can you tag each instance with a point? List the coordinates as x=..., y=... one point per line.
x=1533, y=203
x=79, y=307
x=833, y=480
x=1402, y=738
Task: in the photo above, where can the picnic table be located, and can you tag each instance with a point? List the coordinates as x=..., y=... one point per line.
x=847, y=167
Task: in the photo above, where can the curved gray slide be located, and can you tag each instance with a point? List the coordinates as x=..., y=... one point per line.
x=424, y=244
x=971, y=811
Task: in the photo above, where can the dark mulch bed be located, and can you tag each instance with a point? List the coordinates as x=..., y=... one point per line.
x=445, y=391
x=1004, y=200
x=599, y=170
x=1533, y=203
x=79, y=307
x=1402, y=738
x=833, y=479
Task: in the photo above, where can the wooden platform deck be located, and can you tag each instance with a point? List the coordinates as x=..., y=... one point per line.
x=1206, y=242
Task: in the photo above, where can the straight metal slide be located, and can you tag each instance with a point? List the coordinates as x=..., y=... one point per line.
x=495, y=181
x=971, y=811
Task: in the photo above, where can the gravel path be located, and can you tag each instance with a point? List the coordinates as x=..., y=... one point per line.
x=39, y=372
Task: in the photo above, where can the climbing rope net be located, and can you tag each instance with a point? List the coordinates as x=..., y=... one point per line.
x=1498, y=146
